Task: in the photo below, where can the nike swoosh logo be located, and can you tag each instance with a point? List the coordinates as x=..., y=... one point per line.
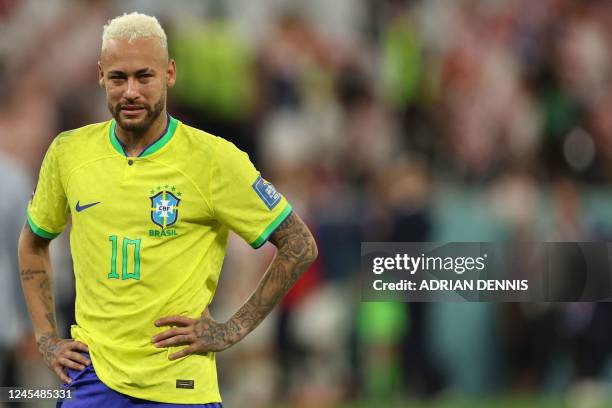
x=80, y=208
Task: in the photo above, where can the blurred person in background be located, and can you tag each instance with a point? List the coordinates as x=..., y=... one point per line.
x=15, y=331
x=217, y=88
x=136, y=73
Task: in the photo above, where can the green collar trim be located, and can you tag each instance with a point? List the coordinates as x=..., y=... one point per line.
x=153, y=147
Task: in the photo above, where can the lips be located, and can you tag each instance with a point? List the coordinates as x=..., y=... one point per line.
x=132, y=110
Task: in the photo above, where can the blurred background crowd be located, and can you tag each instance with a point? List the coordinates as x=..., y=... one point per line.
x=379, y=120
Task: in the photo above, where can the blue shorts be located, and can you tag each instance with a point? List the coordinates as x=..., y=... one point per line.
x=89, y=391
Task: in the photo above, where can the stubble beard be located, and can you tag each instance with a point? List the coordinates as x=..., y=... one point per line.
x=145, y=123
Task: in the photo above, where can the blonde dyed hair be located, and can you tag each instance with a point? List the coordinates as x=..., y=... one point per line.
x=132, y=26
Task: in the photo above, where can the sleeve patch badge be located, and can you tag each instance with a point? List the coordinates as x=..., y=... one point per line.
x=266, y=192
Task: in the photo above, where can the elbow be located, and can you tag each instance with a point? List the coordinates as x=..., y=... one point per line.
x=313, y=253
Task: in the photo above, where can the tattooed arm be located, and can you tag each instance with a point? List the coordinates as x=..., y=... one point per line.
x=35, y=271
x=296, y=251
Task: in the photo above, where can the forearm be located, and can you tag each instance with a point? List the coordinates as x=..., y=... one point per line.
x=296, y=252
x=276, y=282
x=35, y=274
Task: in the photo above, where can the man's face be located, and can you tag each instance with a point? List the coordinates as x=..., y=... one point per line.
x=136, y=76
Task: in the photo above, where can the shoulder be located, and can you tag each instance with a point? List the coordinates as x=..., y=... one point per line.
x=215, y=148
x=198, y=136
x=72, y=148
x=81, y=138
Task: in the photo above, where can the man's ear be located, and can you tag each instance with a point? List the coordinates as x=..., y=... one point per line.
x=100, y=75
x=171, y=73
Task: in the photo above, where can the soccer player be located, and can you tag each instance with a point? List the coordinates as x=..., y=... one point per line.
x=151, y=202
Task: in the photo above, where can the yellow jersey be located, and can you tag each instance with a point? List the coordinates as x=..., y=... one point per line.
x=148, y=239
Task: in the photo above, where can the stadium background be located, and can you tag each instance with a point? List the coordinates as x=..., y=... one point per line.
x=466, y=120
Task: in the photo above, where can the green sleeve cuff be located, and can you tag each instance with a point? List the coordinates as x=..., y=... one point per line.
x=263, y=237
x=39, y=231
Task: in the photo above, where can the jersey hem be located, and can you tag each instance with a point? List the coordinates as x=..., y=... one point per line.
x=263, y=237
x=159, y=397
x=38, y=230
x=156, y=397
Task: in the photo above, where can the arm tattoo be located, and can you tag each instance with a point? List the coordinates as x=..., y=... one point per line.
x=48, y=344
x=45, y=294
x=214, y=333
x=296, y=251
x=29, y=274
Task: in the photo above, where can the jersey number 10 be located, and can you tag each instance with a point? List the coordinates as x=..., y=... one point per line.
x=126, y=254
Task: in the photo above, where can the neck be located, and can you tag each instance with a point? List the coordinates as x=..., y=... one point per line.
x=135, y=142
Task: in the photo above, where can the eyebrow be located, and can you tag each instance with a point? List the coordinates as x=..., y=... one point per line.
x=139, y=72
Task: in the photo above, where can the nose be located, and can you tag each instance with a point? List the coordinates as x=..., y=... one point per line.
x=131, y=91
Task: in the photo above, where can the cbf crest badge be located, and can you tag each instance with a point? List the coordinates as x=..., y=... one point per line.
x=164, y=209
